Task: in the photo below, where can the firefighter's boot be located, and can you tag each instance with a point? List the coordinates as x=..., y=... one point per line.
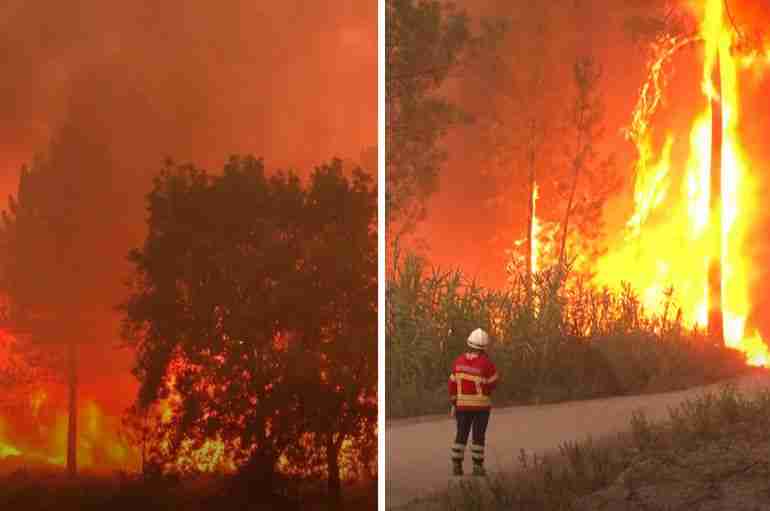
x=477, y=453
x=458, y=454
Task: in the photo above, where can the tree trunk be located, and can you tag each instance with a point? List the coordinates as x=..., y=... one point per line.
x=531, y=218
x=255, y=481
x=73, y=408
x=333, y=466
x=716, y=317
x=145, y=439
x=562, y=250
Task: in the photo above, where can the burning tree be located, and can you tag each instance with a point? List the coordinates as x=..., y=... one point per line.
x=49, y=234
x=715, y=214
x=516, y=94
x=584, y=181
x=253, y=313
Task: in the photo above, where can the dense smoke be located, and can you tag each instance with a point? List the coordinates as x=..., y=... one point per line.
x=107, y=90
x=483, y=200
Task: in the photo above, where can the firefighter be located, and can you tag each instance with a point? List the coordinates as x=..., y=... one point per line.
x=471, y=383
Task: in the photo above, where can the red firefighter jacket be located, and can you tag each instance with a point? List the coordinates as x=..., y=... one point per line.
x=472, y=381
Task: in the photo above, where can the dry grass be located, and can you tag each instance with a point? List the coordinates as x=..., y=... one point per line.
x=713, y=451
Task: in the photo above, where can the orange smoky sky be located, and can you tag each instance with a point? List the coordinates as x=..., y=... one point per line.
x=476, y=215
x=293, y=81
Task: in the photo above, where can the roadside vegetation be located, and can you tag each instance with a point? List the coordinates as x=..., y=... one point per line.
x=712, y=450
x=557, y=339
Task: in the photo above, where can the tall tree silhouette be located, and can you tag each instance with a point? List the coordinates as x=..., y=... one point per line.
x=51, y=274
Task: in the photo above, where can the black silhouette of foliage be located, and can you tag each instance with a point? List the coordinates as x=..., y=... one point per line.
x=254, y=304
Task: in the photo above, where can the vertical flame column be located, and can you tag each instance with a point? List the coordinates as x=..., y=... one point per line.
x=716, y=315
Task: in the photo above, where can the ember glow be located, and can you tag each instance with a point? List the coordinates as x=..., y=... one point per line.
x=536, y=228
x=669, y=241
x=101, y=446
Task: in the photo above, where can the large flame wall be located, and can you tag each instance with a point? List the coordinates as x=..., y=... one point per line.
x=668, y=241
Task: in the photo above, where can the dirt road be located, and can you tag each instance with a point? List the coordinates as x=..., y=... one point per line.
x=417, y=458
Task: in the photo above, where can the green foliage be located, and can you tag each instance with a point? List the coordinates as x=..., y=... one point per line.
x=254, y=304
x=560, y=339
x=421, y=47
x=425, y=41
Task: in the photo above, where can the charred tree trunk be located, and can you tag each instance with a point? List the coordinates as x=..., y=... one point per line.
x=716, y=316
x=333, y=466
x=531, y=217
x=563, y=249
x=72, y=425
x=256, y=479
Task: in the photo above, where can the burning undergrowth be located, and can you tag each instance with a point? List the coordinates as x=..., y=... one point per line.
x=33, y=434
x=34, y=421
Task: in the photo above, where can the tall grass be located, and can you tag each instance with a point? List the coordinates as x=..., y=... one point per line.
x=555, y=336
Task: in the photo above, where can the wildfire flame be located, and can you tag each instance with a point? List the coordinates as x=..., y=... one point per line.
x=35, y=434
x=43, y=440
x=673, y=247
x=536, y=228
x=543, y=241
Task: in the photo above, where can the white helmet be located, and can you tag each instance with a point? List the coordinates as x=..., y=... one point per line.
x=478, y=340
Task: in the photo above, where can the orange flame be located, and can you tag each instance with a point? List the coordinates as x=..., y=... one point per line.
x=100, y=446
x=38, y=436
x=676, y=247
x=543, y=241
x=536, y=228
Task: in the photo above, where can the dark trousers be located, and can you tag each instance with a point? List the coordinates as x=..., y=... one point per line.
x=467, y=422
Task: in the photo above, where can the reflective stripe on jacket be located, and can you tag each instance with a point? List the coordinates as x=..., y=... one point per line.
x=472, y=381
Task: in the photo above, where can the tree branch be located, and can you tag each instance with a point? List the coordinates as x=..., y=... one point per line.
x=732, y=20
